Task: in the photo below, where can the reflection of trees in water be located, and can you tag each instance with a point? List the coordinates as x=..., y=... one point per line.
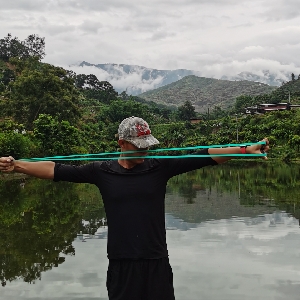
x=185, y=187
x=93, y=213
x=91, y=225
x=187, y=192
x=37, y=226
x=25, y=253
x=254, y=183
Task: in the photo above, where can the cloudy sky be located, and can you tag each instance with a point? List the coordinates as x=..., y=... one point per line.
x=216, y=37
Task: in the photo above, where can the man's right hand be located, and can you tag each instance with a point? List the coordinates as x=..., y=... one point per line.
x=7, y=164
x=39, y=169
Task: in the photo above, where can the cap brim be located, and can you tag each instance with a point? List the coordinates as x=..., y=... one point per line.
x=145, y=141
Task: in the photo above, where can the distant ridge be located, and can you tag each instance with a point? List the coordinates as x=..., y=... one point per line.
x=204, y=92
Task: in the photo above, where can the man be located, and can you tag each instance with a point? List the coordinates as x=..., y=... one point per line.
x=133, y=191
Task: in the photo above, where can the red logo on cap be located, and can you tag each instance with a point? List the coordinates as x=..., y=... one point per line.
x=142, y=129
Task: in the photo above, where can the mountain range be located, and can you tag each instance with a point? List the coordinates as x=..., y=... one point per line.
x=174, y=87
x=136, y=80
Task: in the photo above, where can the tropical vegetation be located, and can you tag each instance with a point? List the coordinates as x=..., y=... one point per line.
x=46, y=110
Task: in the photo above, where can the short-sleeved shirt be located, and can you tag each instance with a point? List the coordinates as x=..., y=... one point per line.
x=133, y=200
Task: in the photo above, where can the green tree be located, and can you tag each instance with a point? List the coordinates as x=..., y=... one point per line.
x=15, y=140
x=217, y=113
x=33, y=45
x=293, y=77
x=6, y=75
x=118, y=110
x=186, y=111
x=15, y=144
x=294, y=142
x=242, y=102
x=92, y=88
x=57, y=137
x=43, y=90
x=124, y=95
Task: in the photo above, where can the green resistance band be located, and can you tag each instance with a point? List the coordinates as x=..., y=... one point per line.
x=103, y=156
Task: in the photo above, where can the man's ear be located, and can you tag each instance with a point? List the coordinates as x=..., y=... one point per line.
x=121, y=143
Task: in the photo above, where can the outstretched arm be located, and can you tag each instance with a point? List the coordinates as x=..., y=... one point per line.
x=41, y=169
x=254, y=149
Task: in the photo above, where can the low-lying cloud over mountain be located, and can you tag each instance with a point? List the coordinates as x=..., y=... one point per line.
x=137, y=79
x=130, y=78
x=216, y=38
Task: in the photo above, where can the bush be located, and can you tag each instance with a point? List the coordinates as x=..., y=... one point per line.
x=15, y=144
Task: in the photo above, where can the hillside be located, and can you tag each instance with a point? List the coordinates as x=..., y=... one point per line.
x=290, y=89
x=204, y=92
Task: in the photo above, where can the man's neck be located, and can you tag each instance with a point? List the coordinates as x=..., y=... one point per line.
x=127, y=164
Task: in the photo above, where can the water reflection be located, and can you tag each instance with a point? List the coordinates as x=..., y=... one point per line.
x=234, y=190
x=237, y=258
x=37, y=227
x=232, y=233
x=93, y=229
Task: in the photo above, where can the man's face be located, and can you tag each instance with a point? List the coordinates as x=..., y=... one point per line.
x=126, y=146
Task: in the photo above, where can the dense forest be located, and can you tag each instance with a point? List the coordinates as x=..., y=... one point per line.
x=46, y=110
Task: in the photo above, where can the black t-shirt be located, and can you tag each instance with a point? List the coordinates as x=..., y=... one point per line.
x=133, y=200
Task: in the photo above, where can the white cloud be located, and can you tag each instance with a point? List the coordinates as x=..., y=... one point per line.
x=121, y=81
x=283, y=10
x=214, y=37
x=252, y=49
x=90, y=26
x=256, y=66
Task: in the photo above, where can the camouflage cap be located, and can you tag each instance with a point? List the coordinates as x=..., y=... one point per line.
x=137, y=132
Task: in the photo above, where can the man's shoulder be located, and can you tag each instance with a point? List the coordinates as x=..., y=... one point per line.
x=105, y=165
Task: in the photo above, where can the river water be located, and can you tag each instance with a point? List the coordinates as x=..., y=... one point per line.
x=232, y=233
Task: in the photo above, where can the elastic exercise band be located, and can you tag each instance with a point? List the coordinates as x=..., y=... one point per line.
x=146, y=156
x=102, y=155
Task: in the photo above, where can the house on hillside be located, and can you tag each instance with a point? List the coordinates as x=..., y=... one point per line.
x=195, y=120
x=267, y=107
